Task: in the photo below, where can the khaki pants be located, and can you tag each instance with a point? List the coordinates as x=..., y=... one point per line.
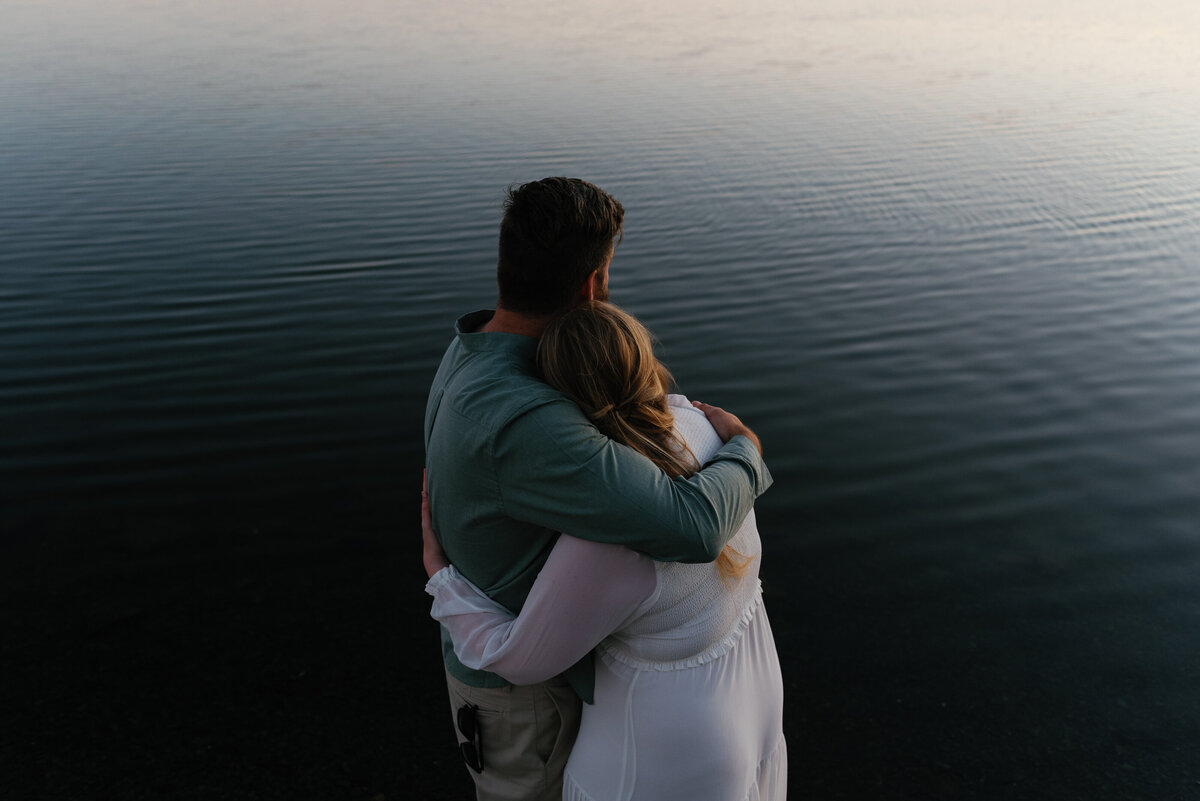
x=526, y=734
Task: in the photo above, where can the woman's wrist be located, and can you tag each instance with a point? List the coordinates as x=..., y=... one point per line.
x=433, y=563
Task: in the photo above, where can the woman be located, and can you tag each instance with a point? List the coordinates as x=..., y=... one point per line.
x=689, y=697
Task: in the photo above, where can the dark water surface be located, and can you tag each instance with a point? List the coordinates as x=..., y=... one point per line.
x=943, y=259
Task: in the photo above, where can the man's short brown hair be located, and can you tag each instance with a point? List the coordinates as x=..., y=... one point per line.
x=554, y=234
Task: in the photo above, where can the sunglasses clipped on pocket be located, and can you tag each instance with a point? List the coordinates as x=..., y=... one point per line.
x=468, y=726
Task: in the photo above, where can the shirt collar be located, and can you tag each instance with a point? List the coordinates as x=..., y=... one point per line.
x=467, y=328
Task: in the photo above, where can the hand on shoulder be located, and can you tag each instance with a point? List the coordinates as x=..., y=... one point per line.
x=727, y=424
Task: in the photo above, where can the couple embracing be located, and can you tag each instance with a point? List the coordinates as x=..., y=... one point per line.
x=629, y=656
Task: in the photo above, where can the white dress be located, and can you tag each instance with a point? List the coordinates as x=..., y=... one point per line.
x=689, y=696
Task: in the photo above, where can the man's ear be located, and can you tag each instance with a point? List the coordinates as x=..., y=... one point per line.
x=591, y=286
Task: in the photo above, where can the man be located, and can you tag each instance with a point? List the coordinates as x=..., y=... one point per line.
x=510, y=462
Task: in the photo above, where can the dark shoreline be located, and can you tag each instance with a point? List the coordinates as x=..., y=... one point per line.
x=215, y=660
x=198, y=656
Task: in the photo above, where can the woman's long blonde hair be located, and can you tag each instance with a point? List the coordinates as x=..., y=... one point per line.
x=603, y=359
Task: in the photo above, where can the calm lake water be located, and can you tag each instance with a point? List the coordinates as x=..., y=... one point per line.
x=943, y=256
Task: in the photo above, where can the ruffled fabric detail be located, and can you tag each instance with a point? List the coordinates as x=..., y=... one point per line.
x=772, y=776
x=572, y=791
x=770, y=786
x=441, y=578
x=612, y=650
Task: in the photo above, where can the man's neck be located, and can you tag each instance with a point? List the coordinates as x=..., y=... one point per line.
x=510, y=322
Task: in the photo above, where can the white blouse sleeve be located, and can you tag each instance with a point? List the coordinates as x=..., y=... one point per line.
x=585, y=591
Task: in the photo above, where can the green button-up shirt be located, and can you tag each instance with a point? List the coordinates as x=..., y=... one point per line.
x=511, y=462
